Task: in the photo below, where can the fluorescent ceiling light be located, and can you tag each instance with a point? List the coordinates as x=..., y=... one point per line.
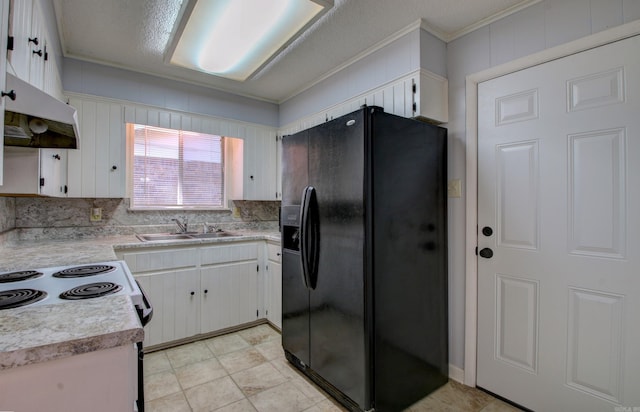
x=235, y=38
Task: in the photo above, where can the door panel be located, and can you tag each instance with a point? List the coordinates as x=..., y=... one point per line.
x=295, y=296
x=336, y=170
x=557, y=181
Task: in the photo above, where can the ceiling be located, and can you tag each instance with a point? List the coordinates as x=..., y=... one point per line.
x=134, y=34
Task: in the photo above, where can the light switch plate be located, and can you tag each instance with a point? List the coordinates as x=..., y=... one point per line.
x=454, y=188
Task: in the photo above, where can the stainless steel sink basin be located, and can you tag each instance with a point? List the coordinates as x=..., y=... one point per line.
x=163, y=236
x=181, y=236
x=211, y=235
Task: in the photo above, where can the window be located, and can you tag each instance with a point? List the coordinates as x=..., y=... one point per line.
x=176, y=169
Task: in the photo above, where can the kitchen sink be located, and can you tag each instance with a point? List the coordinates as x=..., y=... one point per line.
x=163, y=236
x=211, y=235
x=182, y=236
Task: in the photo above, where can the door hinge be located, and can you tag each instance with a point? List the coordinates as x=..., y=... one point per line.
x=414, y=88
x=42, y=181
x=476, y=250
x=9, y=42
x=415, y=107
x=257, y=268
x=257, y=313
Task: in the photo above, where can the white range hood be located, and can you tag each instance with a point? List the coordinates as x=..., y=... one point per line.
x=37, y=119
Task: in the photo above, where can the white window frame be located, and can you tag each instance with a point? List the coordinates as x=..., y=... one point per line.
x=228, y=160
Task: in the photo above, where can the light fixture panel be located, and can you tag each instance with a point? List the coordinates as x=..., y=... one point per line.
x=235, y=38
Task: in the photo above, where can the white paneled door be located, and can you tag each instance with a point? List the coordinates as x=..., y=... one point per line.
x=559, y=232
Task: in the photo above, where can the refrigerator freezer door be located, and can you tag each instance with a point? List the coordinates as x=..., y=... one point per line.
x=337, y=318
x=295, y=295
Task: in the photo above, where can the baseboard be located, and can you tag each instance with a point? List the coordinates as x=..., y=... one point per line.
x=456, y=373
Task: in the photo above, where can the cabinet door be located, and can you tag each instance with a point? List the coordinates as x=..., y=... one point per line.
x=175, y=299
x=53, y=172
x=260, y=165
x=97, y=169
x=37, y=54
x=274, y=313
x=273, y=285
x=229, y=295
x=20, y=57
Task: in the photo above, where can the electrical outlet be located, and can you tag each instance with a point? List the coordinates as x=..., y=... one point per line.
x=96, y=214
x=454, y=188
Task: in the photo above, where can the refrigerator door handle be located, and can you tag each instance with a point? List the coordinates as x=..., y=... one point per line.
x=309, y=237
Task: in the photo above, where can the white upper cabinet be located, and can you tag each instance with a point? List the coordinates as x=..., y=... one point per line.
x=29, y=58
x=35, y=171
x=4, y=27
x=38, y=47
x=260, y=164
x=421, y=94
x=97, y=169
x=19, y=56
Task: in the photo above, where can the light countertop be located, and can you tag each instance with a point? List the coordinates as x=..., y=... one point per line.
x=46, y=332
x=40, y=333
x=29, y=254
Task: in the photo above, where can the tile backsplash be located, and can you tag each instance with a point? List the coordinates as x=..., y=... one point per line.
x=8, y=213
x=46, y=218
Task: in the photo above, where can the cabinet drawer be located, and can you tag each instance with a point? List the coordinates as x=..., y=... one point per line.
x=230, y=253
x=273, y=252
x=161, y=260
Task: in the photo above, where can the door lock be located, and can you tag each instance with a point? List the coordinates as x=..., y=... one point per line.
x=486, y=253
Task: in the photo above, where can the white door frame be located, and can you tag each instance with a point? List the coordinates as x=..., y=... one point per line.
x=471, y=272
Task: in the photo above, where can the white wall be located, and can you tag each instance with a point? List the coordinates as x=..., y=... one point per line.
x=541, y=26
x=99, y=80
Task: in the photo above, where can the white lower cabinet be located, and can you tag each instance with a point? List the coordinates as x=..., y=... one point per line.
x=175, y=297
x=229, y=295
x=273, y=284
x=198, y=290
x=229, y=277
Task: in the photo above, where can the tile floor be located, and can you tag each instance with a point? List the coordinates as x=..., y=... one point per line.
x=247, y=371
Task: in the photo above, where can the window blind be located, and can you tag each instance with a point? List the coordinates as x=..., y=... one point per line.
x=174, y=168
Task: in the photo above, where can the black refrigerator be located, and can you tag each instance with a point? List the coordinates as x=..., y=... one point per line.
x=364, y=249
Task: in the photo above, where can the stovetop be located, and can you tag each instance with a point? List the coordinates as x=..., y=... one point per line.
x=68, y=283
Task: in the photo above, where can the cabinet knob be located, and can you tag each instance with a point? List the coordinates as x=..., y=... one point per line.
x=251, y=177
x=56, y=156
x=192, y=293
x=38, y=52
x=33, y=40
x=278, y=254
x=206, y=291
x=11, y=95
x=114, y=167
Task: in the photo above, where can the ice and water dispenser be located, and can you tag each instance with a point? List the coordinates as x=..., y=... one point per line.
x=290, y=217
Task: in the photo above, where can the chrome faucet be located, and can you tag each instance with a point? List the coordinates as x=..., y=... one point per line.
x=182, y=227
x=207, y=228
